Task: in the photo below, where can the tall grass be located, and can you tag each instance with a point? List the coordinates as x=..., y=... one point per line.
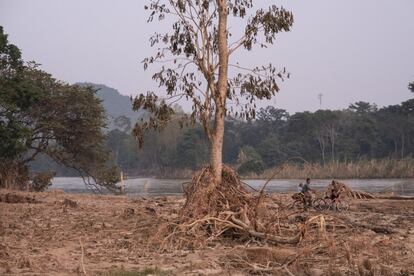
x=384, y=168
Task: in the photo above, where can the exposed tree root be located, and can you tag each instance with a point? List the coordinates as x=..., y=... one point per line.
x=204, y=197
x=226, y=211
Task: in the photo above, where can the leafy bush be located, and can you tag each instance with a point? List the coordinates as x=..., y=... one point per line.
x=109, y=177
x=251, y=166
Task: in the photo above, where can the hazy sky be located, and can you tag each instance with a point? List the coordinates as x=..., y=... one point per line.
x=348, y=50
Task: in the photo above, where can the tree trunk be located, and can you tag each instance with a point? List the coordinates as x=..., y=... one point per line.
x=322, y=147
x=217, y=148
x=221, y=92
x=13, y=176
x=395, y=148
x=332, y=134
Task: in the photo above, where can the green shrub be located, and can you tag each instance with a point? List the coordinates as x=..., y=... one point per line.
x=251, y=166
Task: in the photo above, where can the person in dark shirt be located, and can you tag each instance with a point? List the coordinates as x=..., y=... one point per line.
x=334, y=190
x=307, y=191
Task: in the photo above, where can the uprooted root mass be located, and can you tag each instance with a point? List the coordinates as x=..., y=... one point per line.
x=227, y=210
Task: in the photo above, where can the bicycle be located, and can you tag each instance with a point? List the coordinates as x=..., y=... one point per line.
x=336, y=204
x=299, y=202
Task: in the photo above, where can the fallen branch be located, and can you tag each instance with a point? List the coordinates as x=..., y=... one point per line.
x=288, y=272
x=229, y=223
x=272, y=238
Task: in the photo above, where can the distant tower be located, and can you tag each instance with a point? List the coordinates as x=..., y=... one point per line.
x=320, y=100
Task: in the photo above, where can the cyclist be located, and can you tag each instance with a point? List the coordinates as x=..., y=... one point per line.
x=307, y=191
x=300, y=188
x=335, y=189
x=299, y=195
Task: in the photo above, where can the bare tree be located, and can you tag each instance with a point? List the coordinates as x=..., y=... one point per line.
x=195, y=64
x=321, y=137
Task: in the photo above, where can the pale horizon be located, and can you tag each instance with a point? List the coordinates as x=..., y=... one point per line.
x=348, y=51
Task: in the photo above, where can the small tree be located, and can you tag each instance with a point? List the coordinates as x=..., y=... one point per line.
x=40, y=115
x=195, y=65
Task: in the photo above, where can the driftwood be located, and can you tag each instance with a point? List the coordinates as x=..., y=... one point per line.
x=346, y=190
x=360, y=195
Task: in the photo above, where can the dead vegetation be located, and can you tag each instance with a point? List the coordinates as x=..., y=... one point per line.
x=230, y=211
x=230, y=214
x=226, y=211
x=348, y=192
x=11, y=197
x=115, y=233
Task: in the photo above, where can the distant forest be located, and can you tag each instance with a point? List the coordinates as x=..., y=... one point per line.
x=360, y=132
x=274, y=137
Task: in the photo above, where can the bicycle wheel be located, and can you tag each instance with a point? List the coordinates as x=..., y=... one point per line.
x=297, y=204
x=319, y=204
x=342, y=206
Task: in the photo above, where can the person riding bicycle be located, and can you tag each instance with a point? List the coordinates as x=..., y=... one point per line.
x=300, y=188
x=299, y=195
x=307, y=191
x=334, y=190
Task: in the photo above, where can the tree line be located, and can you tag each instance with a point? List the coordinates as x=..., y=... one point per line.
x=275, y=137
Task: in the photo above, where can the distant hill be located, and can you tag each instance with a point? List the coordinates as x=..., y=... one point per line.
x=115, y=104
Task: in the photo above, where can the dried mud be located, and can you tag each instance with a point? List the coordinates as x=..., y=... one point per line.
x=69, y=234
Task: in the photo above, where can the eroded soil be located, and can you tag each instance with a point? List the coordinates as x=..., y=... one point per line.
x=45, y=234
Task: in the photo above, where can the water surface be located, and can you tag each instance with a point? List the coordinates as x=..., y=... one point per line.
x=153, y=186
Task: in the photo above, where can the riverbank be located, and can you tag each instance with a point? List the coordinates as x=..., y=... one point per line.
x=56, y=233
x=361, y=169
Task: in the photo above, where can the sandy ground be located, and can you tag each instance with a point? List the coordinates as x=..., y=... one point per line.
x=50, y=232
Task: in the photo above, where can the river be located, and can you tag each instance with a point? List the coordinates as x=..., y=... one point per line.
x=154, y=187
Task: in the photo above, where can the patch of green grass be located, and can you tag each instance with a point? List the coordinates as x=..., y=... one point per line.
x=146, y=271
